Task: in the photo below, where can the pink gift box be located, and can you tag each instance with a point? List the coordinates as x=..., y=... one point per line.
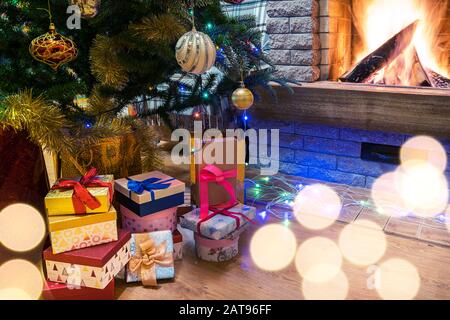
x=160, y=221
x=216, y=250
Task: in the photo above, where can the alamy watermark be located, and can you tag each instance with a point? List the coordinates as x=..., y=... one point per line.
x=215, y=153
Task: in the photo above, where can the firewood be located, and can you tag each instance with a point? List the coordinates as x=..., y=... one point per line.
x=438, y=80
x=418, y=76
x=381, y=57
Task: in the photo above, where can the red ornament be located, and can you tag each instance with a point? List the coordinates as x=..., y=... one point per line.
x=234, y=1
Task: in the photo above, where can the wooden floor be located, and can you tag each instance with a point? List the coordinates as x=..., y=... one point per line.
x=241, y=279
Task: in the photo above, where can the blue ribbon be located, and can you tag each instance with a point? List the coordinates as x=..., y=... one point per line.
x=149, y=185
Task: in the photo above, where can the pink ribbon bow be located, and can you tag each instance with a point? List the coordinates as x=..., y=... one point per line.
x=213, y=174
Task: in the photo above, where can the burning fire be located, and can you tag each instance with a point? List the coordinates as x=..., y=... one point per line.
x=379, y=20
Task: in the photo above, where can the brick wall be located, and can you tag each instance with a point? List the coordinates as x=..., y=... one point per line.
x=331, y=154
x=293, y=29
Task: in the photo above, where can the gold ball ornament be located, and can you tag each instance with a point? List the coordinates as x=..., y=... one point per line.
x=242, y=98
x=195, y=52
x=88, y=8
x=53, y=49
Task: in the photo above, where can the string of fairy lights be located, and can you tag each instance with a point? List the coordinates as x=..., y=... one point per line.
x=278, y=194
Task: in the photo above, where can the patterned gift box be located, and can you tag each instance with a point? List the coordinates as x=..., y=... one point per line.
x=155, y=200
x=219, y=226
x=216, y=193
x=81, y=231
x=93, y=267
x=163, y=220
x=63, y=291
x=156, y=246
x=216, y=250
x=61, y=202
x=177, y=245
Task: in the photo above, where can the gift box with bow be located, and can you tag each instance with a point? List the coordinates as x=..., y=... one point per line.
x=88, y=194
x=231, y=166
x=151, y=258
x=93, y=267
x=218, y=223
x=149, y=193
x=74, y=232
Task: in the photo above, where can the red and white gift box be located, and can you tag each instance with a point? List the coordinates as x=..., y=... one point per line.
x=93, y=267
x=63, y=291
x=177, y=245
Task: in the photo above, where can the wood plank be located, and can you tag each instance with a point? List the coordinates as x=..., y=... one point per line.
x=391, y=109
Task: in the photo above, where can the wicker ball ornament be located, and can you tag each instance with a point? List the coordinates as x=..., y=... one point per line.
x=88, y=8
x=53, y=49
x=195, y=52
x=242, y=98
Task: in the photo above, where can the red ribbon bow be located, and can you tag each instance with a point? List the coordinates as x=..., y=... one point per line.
x=81, y=197
x=225, y=212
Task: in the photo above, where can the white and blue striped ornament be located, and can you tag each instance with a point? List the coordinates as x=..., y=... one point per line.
x=195, y=52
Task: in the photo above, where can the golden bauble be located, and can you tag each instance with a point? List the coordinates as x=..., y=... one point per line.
x=242, y=98
x=53, y=49
x=195, y=52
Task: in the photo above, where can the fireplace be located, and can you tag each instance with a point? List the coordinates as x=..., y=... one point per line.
x=345, y=132
x=313, y=40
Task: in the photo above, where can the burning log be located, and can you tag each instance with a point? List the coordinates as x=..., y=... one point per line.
x=418, y=76
x=381, y=57
x=437, y=80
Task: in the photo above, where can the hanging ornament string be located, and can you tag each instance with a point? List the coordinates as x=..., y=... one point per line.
x=192, y=14
x=49, y=12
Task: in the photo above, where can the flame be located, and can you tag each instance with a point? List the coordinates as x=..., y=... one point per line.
x=378, y=20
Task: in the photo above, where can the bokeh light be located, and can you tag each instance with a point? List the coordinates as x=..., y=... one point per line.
x=424, y=149
x=272, y=247
x=363, y=243
x=318, y=260
x=386, y=196
x=399, y=280
x=335, y=289
x=317, y=207
x=423, y=188
x=14, y=294
x=20, y=279
x=22, y=227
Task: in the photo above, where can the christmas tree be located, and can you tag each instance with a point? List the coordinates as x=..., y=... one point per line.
x=125, y=51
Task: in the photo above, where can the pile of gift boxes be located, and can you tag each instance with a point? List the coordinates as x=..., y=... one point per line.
x=88, y=251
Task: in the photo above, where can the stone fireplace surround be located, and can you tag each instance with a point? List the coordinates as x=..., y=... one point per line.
x=324, y=125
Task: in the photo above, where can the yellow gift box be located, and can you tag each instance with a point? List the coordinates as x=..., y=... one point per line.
x=59, y=202
x=74, y=232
